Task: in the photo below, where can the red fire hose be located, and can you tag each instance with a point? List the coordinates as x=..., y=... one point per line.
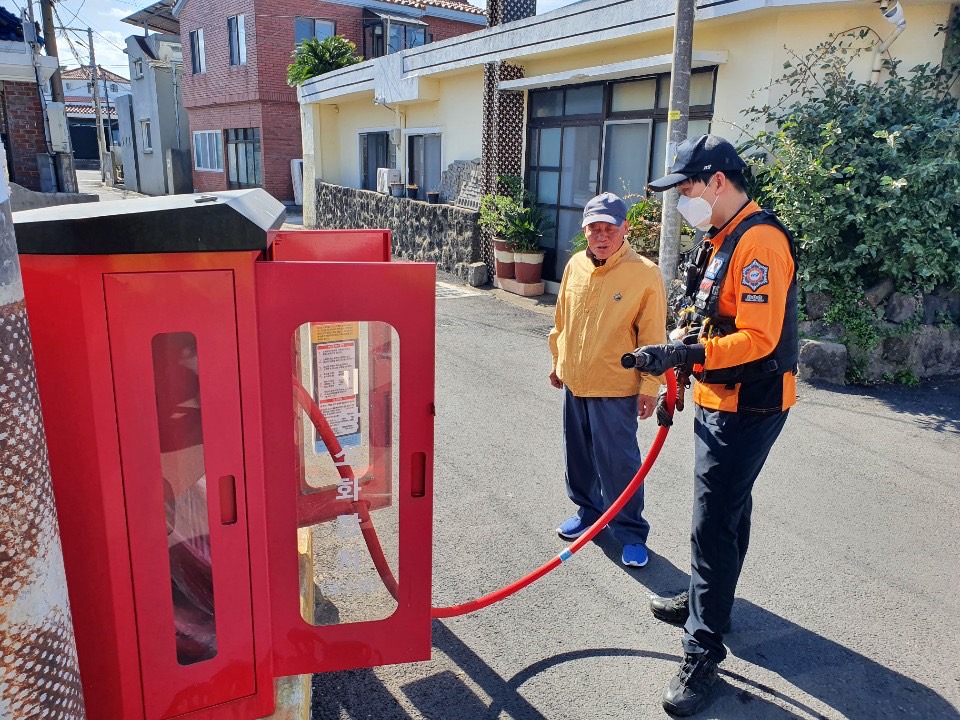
x=305, y=400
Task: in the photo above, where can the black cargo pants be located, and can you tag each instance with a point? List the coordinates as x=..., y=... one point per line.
x=731, y=448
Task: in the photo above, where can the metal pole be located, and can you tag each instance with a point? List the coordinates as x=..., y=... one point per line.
x=96, y=105
x=106, y=93
x=39, y=675
x=50, y=37
x=676, y=133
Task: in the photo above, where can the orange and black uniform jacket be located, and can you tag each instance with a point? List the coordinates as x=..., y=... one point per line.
x=754, y=293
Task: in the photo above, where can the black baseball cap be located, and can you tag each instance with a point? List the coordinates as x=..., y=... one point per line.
x=705, y=154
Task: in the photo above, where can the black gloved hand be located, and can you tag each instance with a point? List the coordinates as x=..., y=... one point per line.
x=657, y=359
x=664, y=414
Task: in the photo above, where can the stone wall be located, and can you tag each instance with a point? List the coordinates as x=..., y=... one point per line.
x=919, y=338
x=443, y=234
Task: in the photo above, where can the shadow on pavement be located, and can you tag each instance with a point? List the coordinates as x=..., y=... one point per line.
x=855, y=686
x=933, y=405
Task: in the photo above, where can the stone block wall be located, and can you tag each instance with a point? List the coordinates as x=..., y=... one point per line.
x=443, y=234
x=919, y=337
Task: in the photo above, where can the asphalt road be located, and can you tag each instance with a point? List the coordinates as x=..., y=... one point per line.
x=849, y=601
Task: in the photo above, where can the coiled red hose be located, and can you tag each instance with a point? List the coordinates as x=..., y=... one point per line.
x=376, y=551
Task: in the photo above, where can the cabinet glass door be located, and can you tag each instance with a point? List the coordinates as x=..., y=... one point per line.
x=347, y=369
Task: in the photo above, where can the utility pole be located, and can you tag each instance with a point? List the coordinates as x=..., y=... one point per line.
x=676, y=133
x=96, y=105
x=40, y=674
x=50, y=37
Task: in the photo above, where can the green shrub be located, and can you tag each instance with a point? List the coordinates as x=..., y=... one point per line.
x=866, y=175
x=868, y=178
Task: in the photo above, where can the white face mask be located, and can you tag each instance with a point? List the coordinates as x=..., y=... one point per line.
x=697, y=211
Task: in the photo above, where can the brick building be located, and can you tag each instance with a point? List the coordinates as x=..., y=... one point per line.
x=244, y=118
x=21, y=113
x=21, y=125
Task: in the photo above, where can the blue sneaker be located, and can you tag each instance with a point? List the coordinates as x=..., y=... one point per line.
x=635, y=555
x=572, y=528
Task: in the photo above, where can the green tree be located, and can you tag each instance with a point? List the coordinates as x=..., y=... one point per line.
x=314, y=57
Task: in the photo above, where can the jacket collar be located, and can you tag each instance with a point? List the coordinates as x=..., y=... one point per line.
x=611, y=261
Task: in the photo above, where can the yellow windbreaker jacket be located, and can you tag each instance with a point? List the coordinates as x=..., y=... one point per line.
x=602, y=313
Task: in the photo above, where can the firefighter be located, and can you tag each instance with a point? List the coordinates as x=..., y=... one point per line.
x=740, y=342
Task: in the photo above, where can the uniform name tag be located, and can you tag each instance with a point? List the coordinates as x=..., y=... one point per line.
x=754, y=298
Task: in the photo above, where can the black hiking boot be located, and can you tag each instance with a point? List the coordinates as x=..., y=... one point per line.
x=674, y=610
x=690, y=689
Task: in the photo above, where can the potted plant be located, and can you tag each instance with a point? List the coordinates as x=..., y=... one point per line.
x=396, y=189
x=514, y=222
x=525, y=239
x=433, y=197
x=494, y=210
x=412, y=191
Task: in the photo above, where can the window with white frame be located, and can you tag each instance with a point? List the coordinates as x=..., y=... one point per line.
x=138, y=68
x=305, y=28
x=197, y=52
x=146, y=135
x=208, y=150
x=238, y=40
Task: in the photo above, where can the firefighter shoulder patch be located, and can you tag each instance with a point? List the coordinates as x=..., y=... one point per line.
x=756, y=275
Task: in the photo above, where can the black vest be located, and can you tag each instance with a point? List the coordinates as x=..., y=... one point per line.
x=785, y=355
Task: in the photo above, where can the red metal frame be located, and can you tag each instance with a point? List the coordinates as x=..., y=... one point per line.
x=92, y=320
x=403, y=296
x=330, y=245
x=67, y=307
x=141, y=306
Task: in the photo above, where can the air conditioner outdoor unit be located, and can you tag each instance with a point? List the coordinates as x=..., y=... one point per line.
x=385, y=176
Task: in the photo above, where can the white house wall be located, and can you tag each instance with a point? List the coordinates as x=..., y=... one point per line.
x=758, y=50
x=752, y=34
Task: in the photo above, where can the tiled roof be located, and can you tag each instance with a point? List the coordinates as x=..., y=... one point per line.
x=460, y=5
x=87, y=109
x=83, y=73
x=456, y=5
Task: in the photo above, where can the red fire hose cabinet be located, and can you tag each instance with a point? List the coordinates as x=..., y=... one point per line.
x=240, y=428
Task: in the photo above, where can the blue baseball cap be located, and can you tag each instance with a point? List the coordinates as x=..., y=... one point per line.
x=606, y=208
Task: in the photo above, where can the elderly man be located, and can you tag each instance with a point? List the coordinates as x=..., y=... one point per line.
x=611, y=301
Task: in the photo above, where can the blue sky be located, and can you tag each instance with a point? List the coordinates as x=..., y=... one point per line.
x=104, y=17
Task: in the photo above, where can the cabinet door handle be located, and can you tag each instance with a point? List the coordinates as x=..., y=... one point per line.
x=418, y=474
x=228, y=500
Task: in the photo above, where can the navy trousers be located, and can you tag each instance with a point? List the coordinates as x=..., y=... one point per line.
x=731, y=449
x=602, y=456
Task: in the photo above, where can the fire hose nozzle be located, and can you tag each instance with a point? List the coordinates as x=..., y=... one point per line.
x=635, y=359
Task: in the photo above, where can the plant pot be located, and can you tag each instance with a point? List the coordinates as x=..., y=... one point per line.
x=503, y=259
x=396, y=190
x=528, y=267
x=433, y=197
x=412, y=191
